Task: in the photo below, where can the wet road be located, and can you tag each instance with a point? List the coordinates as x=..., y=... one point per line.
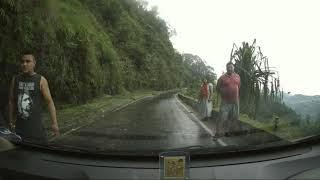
x=151, y=124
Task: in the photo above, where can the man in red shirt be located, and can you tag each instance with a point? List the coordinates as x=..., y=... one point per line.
x=228, y=86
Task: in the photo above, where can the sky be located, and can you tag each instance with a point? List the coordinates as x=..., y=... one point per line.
x=288, y=32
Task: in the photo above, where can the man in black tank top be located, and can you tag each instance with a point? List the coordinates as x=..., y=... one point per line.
x=27, y=91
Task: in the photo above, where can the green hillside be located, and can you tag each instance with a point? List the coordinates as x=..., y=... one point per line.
x=304, y=105
x=87, y=48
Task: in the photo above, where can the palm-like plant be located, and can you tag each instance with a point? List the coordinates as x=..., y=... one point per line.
x=257, y=78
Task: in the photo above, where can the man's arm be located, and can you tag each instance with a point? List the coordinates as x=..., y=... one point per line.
x=48, y=99
x=12, y=106
x=210, y=91
x=239, y=81
x=218, y=89
x=218, y=85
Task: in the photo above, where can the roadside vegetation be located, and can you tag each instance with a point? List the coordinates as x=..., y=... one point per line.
x=261, y=96
x=87, y=48
x=97, y=55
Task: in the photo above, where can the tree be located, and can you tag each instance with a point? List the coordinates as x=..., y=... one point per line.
x=102, y=47
x=195, y=69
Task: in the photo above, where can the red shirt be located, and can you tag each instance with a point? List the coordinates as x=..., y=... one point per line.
x=204, y=90
x=229, y=86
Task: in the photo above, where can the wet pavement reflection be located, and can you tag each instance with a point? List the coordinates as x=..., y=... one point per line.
x=157, y=124
x=154, y=123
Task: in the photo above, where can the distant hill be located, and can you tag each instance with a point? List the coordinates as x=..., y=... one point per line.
x=303, y=104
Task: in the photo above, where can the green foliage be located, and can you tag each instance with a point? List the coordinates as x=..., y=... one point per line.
x=196, y=69
x=286, y=129
x=87, y=48
x=244, y=66
x=260, y=96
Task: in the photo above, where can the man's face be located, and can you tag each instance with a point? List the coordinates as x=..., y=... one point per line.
x=27, y=63
x=230, y=68
x=26, y=103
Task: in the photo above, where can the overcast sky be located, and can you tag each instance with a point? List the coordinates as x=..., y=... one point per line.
x=288, y=32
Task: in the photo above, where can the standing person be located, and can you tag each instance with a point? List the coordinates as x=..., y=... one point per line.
x=27, y=90
x=210, y=100
x=228, y=87
x=204, y=99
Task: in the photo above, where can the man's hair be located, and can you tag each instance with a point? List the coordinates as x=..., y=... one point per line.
x=230, y=63
x=28, y=53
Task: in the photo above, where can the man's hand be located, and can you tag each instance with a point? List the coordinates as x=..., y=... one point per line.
x=52, y=110
x=12, y=127
x=55, y=129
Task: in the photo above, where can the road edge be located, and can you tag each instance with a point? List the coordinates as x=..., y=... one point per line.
x=198, y=121
x=112, y=110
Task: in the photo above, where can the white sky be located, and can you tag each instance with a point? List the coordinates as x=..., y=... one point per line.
x=288, y=32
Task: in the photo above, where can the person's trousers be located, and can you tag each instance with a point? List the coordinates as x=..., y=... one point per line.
x=228, y=118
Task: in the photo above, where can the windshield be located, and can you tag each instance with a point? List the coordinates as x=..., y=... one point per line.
x=158, y=75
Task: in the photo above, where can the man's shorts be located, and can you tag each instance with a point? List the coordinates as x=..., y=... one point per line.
x=228, y=117
x=229, y=111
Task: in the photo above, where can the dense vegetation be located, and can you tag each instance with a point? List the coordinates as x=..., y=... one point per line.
x=260, y=94
x=87, y=48
x=199, y=70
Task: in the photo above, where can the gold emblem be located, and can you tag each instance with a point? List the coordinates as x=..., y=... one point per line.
x=174, y=167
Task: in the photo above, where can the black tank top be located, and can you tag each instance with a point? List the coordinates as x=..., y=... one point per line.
x=28, y=98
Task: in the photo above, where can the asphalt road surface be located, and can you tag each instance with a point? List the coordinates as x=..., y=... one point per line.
x=151, y=124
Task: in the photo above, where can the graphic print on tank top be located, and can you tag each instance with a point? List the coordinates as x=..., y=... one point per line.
x=24, y=99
